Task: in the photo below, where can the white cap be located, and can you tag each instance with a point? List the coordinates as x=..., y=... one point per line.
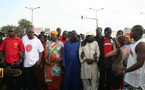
x=89, y=33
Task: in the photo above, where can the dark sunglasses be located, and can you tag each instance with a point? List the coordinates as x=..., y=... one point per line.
x=10, y=31
x=31, y=32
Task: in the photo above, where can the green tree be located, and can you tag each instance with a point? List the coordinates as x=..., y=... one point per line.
x=22, y=25
x=5, y=29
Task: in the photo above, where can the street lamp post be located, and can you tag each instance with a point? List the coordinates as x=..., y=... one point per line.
x=96, y=15
x=82, y=17
x=32, y=9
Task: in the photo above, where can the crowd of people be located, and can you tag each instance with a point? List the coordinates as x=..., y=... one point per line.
x=73, y=62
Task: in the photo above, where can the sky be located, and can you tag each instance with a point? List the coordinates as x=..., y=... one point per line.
x=66, y=14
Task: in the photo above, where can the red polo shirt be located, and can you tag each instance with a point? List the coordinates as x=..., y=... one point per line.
x=107, y=46
x=63, y=41
x=11, y=48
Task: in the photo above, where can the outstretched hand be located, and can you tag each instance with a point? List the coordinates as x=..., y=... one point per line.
x=12, y=72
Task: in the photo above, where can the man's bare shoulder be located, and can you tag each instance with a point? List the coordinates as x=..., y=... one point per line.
x=140, y=47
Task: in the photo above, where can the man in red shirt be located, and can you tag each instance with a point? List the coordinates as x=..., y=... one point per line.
x=11, y=46
x=106, y=45
x=64, y=38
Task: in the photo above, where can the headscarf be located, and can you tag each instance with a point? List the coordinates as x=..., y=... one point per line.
x=54, y=32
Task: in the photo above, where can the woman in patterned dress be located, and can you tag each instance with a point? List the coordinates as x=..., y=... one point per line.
x=53, y=67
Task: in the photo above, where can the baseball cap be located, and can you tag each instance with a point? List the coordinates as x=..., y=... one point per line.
x=127, y=35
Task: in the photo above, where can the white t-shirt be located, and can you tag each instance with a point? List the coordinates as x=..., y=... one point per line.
x=24, y=37
x=32, y=49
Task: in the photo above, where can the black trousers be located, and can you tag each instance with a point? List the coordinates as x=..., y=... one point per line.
x=105, y=78
x=32, y=72
x=14, y=83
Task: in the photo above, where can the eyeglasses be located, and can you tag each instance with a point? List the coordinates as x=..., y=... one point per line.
x=10, y=31
x=31, y=32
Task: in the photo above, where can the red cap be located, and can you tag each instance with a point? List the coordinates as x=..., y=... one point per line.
x=127, y=35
